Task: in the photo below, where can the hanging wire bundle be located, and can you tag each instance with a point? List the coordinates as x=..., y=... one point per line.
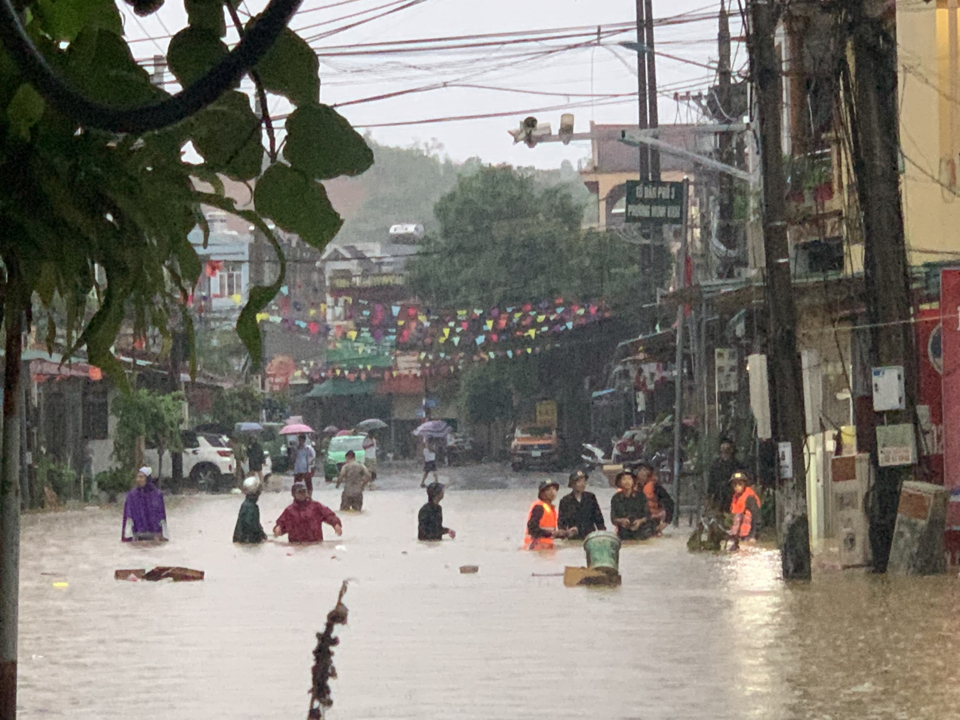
x=323, y=669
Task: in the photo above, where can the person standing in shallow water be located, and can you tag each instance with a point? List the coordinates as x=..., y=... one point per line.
x=355, y=477
x=144, y=513
x=542, y=519
x=302, y=521
x=580, y=511
x=430, y=520
x=303, y=457
x=628, y=510
x=248, y=530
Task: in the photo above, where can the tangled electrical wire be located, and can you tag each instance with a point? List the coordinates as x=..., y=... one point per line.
x=323, y=670
x=65, y=98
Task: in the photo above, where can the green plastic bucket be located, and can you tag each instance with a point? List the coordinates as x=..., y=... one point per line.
x=603, y=551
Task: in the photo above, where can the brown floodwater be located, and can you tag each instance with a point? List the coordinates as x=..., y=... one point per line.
x=686, y=636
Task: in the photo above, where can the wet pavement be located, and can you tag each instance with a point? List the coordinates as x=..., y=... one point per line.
x=686, y=636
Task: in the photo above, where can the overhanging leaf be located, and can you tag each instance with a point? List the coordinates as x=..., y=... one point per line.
x=63, y=21
x=24, y=111
x=206, y=14
x=259, y=296
x=290, y=68
x=193, y=51
x=297, y=204
x=323, y=145
x=227, y=135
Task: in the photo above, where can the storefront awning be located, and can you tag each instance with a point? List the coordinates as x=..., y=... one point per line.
x=340, y=387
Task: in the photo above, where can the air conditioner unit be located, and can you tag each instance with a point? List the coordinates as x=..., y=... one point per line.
x=817, y=257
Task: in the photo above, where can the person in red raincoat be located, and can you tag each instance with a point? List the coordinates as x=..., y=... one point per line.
x=302, y=521
x=745, y=509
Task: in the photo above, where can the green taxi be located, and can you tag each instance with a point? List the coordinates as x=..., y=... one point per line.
x=337, y=453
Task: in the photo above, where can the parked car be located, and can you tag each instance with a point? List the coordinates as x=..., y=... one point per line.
x=208, y=460
x=267, y=466
x=534, y=445
x=337, y=453
x=462, y=450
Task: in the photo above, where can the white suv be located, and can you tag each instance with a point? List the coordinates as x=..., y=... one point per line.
x=207, y=460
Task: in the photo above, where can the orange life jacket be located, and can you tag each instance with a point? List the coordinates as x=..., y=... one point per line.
x=548, y=521
x=650, y=491
x=739, y=509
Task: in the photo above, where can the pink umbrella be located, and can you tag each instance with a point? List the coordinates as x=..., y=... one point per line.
x=343, y=433
x=296, y=429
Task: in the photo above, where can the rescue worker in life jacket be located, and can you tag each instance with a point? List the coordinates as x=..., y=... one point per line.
x=745, y=509
x=542, y=520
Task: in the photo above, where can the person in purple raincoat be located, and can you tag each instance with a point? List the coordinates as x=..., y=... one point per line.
x=144, y=515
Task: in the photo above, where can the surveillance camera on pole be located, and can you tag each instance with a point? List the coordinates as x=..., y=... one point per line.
x=566, y=128
x=530, y=132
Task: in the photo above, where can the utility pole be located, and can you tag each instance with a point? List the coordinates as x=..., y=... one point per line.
x=786, y=369
x=725, y=230
x=642, y=90
x=876, y=159
x=652, y=112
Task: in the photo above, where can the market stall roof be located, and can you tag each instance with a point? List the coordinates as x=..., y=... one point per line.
x=340, y=387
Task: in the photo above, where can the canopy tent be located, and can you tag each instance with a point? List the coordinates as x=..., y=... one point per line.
x=341, y=387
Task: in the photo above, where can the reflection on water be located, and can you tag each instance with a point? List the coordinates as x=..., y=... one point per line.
x=686, y=636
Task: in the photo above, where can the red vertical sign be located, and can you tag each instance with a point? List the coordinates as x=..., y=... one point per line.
x=930, y=397
x=950, y=320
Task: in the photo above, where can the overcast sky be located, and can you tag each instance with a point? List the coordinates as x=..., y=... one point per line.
x=511, y=69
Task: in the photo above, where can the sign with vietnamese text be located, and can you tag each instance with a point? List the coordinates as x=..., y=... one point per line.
x=547, y=413
x=726, y=365
x=654, y=203
x=896, y=445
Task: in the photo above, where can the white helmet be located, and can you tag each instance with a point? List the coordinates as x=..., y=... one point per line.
x=251, y=485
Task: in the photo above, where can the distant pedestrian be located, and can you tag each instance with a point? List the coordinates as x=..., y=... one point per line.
x=745, y=508
x=302, y=521
x=429, y=463
x=144, y=513
x=355, y=477
x=370, y=448
x=248, y=530
x=718, y=478
x=628, y=510
x=542, y=519
x=430, y=519
x=580, y=511
x=255, y=458
x=660, y=505
x=303, y=457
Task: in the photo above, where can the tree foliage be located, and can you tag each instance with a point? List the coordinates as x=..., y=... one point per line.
x=151, y=416
x=402, y=187
x=241, y=404
x=503, y=238
x=101, y=220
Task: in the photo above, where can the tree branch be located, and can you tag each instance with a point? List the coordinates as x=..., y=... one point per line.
x=261, y=92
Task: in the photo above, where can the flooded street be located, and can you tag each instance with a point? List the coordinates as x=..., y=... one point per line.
x=686, y=636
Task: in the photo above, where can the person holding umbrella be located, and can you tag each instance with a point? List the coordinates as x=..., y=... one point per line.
x=430, y=430
x=303, y=457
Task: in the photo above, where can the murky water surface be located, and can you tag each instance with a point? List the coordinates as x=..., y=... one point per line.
x=686, y=636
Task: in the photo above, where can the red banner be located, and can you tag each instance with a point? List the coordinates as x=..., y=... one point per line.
x=950, y=338
x=930, y=400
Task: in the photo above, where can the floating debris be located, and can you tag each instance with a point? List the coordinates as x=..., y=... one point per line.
x=323, y=669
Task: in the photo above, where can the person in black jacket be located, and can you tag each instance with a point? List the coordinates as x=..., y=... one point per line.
x=430, y=520
x=722, y=469
x=580, y=510
x=628, y=510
